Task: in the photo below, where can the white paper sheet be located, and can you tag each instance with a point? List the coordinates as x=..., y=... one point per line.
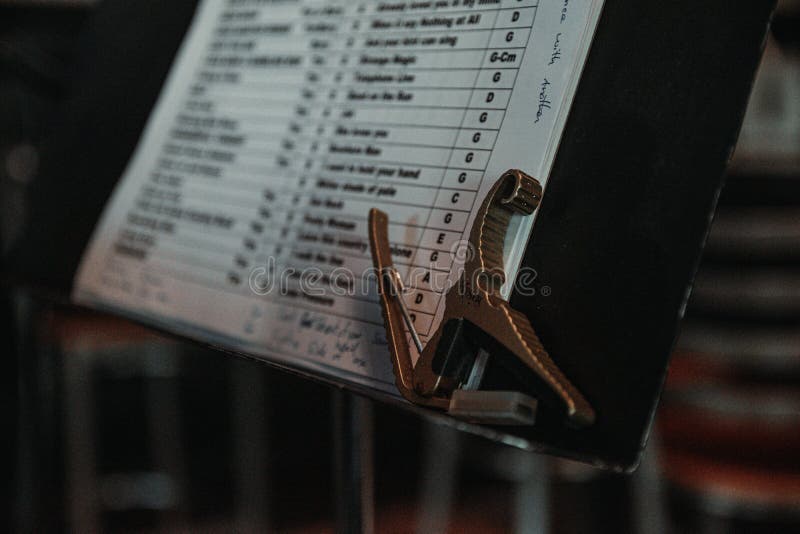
x=241, y=218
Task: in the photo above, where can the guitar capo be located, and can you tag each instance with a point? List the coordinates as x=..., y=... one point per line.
x=477, y=325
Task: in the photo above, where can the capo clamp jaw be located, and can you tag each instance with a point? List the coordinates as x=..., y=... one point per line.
x=478, y=325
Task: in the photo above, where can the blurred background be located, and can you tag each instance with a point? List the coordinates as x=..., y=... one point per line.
x=110, y=427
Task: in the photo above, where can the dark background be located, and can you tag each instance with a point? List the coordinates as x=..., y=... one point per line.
x=158, y=445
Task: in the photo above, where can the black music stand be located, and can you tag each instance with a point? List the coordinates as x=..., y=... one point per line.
x=618, y=236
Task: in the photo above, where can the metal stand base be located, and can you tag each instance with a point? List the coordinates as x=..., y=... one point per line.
x=353, y=463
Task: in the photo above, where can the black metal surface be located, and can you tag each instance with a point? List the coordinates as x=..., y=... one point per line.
x=631, y=195
x=456, y=352
x=621, y=225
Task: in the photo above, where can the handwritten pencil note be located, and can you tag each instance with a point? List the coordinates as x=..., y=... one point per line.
x=241, y=218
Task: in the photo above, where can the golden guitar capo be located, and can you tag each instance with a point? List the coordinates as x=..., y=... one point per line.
x=450, y=367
